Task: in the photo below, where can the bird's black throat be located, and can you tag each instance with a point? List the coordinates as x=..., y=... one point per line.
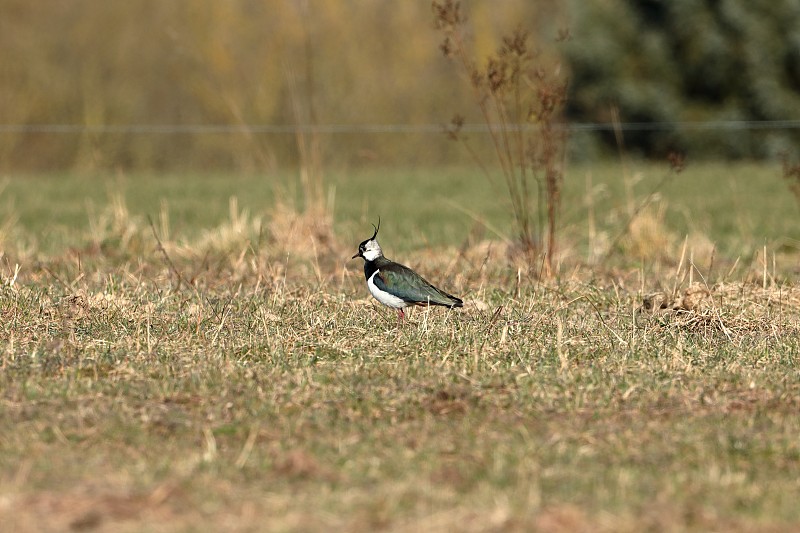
x=371, y=266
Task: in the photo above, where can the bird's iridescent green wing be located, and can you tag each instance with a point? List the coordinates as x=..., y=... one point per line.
x=406, y=284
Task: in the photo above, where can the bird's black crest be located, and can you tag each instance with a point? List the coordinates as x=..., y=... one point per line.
x=376, y=228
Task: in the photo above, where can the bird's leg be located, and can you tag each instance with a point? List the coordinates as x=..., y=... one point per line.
x=401, y=315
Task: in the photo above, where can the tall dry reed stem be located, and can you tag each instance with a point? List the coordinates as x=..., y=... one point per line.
x=791, y=173
x=521, y=96
x=301, y=93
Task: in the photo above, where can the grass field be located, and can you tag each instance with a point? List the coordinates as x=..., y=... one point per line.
x=239, y=376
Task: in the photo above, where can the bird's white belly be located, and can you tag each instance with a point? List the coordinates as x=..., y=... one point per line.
x=384, y=297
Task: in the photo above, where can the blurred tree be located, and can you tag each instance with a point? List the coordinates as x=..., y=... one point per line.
x=689, y=60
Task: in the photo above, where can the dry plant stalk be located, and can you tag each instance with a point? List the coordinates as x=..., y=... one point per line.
x=306, y=135
x=791, y=173
x=677, y=163
x=521, y=100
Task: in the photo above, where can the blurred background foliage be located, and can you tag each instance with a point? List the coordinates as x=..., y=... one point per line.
x=695, y=61
x=165, y=76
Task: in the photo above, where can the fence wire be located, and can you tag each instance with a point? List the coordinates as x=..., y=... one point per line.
x=173, y=129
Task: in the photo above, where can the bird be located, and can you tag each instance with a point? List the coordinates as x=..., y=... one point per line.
x=395, y=285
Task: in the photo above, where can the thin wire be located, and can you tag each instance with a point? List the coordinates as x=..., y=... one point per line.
x=732, y=125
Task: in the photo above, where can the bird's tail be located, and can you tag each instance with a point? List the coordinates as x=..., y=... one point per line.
x=448, y=300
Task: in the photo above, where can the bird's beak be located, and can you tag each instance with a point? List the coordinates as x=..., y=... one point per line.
x=357, y=255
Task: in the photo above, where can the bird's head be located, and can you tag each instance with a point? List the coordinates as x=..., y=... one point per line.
x=369, y=249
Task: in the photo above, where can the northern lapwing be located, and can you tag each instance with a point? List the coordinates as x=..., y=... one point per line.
x=395, y=285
